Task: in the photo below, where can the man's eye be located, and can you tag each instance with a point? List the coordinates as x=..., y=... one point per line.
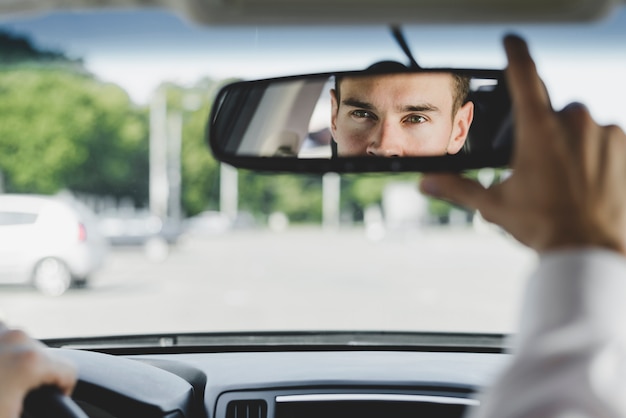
x=363, y=114
x=416, y=119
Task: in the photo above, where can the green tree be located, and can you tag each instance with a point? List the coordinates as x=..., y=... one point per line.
x=199, y=170
x=63, y=129
x=298, y=196
x=16, y=49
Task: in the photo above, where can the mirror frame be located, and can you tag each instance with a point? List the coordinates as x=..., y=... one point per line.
x=454, y=163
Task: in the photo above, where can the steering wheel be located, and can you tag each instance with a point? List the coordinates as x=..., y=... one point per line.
x=48, y=401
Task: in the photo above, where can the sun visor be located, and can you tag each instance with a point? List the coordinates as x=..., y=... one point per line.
x=394, y=11
x=294, y=12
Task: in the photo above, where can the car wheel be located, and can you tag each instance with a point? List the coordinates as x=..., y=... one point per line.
x=52, y=277
x=80, y=283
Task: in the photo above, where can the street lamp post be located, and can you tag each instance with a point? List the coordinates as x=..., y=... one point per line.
x=174, y=148
x=159, y=184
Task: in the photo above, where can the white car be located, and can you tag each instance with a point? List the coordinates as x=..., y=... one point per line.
x=50, y=242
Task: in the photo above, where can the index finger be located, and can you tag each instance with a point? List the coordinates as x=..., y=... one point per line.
x=529, y=96
x=61, y=373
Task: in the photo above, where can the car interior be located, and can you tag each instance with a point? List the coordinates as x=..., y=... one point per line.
x=265, y=124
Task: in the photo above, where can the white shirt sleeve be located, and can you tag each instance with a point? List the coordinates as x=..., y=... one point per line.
x=569, y=359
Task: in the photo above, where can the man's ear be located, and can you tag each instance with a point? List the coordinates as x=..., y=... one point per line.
x=460, y=127
x=334, y=108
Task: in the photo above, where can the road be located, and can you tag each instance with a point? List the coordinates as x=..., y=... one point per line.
x=451, y=279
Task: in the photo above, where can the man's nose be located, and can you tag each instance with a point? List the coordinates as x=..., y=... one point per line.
x=387, y=142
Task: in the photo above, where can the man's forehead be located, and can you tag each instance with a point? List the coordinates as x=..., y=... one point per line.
x=440, y=79
x=400, y=91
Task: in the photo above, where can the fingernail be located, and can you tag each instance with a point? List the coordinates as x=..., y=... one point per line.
x=515, y=44
x=575, y=106
x=513, y=38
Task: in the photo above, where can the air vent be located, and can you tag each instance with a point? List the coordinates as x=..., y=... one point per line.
x=256, y=408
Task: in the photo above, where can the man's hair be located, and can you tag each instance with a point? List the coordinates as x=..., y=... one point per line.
x=461, y=91
x=461, y=83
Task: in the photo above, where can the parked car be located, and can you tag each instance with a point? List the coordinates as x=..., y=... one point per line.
x=49, y=242
x=214, y=223
x=137, y=228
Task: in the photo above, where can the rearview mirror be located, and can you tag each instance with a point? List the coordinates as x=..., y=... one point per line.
x=434, y=120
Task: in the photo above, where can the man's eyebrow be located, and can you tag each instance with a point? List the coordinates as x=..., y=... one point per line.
x=426, y=107
x=357, y=103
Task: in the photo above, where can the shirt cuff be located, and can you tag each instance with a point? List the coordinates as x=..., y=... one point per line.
x=573, y=288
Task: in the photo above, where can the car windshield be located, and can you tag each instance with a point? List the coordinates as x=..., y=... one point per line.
x=116, y=219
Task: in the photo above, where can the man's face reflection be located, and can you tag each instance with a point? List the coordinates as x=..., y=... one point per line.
x=400, y=115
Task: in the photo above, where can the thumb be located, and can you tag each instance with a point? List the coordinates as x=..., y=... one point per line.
x=455, y=189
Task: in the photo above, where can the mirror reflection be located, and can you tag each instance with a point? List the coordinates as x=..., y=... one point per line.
x=399, y=114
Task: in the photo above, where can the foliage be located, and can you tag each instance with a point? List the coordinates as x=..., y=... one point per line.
x=298, y=196
x=360, y=191
x=83, y=134
x=200, y=171
x=18, y=49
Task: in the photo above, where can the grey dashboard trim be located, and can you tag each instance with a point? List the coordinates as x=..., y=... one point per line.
x=390, y=397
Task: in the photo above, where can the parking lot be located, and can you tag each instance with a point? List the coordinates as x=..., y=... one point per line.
x=302, y=278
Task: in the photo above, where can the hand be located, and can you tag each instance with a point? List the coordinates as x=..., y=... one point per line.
x=568, y=183
x=25, y=365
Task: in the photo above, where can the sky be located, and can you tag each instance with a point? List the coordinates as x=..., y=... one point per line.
x=140, y=49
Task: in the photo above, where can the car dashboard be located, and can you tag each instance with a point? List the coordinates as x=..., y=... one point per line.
x=282, y=381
